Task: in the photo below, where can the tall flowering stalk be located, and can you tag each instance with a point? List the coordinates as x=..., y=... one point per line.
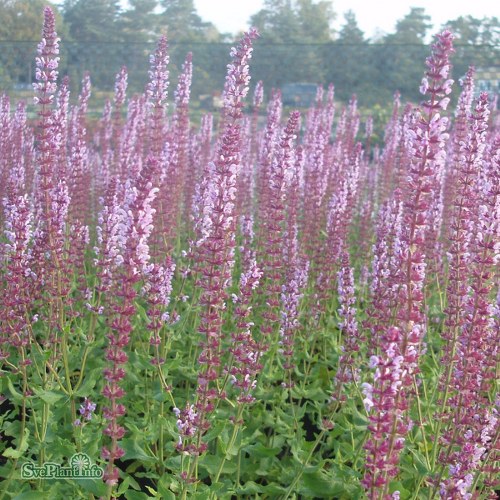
x=292, y=292
x=462, y=221
x=131, y=156
x=246, y=352
x=216, y=247
x=385, y=270
x=121, y=83
x=459, y=134
x=426, y=142
x=244, y=364
x=315, y=177
x=15, y=315
x=388, y=158
x=46, y=75
x=476, y=355
x=273, y=228
x=5, y=138
x=296, y=273
x=200, y=175
x=386, y=407
x=352, y=338
x=157, y=92
x=51, y=197
x=338, y=219
x=178, y=165
x=79, y=161
x=128, y=232
x=16, y=253
x=268, y=147
x=258, y=99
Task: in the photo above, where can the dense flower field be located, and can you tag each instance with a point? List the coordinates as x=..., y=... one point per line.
x=261, y=306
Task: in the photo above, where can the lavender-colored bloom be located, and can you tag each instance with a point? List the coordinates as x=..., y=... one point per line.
x=426, y=140
x=269, y=143
x=157, y=88
x=47, y=61
x=471, y=352
x=182, y=92
x=367, y=390
x=83, y=98
x=187, y=425
x=157, y=290
x=215, y=249
x=292, y=292
x=87, y=409
x=17, y=257
x=238, y=75
x=462, y=224
x=273, y=207
x=352, y=337
x=120, y=87
x=46, y=74
x=246, y=351
x=386, y=405
x=258, y=95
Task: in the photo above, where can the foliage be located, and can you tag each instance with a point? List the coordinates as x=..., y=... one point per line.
x=249, y=308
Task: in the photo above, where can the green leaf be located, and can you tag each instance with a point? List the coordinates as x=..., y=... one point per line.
x=16, y=396
x=136, y=495
x=212, y=464
x=89, y=383
x=273, y=489
x=165, y=493
x=359, y=419
x=49, y=397
x=12, y=453
x=233, y=450
x=420, y=464
x=30, y=495
x=167, y=484
x=63, y=447
x=259, y=451
x=153, y=492
x=123, y=486
x=398, y=486
x=319, y=484
x=18, y=452
x=134, y=451
x=94, y=486
x=140, y=361
x=250, y=488
x=215, y=431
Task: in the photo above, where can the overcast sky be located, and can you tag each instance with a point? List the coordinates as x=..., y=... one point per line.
x=233, y=15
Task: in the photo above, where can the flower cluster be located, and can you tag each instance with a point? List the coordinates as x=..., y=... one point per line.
x=228, y=272
x=86, y=410
x=245, y=350
x=47, y=61
x=386, y=407
x=352, y=337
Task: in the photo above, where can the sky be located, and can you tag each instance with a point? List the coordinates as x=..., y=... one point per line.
x=232, y=15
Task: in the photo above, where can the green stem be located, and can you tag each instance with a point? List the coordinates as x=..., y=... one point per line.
x=421, y=421
x=304, y=465
x=236, y=429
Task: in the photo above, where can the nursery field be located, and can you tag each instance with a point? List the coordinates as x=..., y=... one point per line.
x=261, y=303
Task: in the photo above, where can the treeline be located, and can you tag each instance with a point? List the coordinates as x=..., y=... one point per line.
x=297, y=44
